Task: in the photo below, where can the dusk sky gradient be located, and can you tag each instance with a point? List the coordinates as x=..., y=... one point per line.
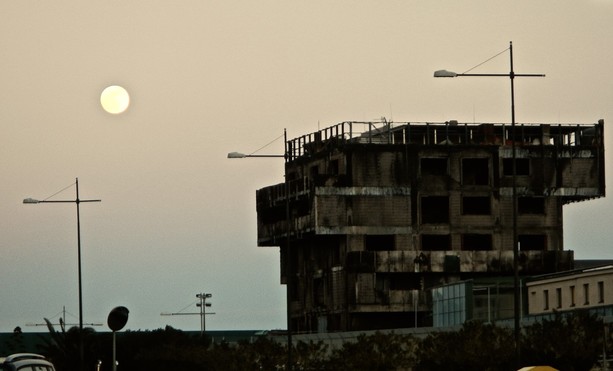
x=210, y=77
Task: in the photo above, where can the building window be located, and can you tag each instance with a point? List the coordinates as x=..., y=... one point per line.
x=333, y=167
x=545, y=299
x=404, y=281
x=522, y=166
x=476, y=205
x=532, y=242
x=475, y=171
x=531, y=205
x=586, y=294
x=435, y=242
x=314, y=171
x=558, y=298
x=385, y=242
x=435, y=209
x=476, y=242
x=433, y=166
x=572, y=296
x=600, y=292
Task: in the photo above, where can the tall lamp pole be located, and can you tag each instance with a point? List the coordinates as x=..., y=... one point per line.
x=516, y=289
x=288, y=256
x=77, y=201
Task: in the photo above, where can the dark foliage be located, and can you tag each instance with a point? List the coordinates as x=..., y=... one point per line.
x=568, y=343
x=63, y=349
x=378, y=352
x=572, y=343
x=476, y=346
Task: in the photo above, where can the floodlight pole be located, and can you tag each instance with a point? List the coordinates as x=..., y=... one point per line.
x=516, y=288
x=203, y=304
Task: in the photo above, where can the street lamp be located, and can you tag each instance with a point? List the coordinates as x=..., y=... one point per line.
x=242, y=155
x=511, y=75
x=77, y=201
x=288, y=262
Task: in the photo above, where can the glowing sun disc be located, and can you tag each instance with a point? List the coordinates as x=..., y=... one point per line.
x=115, y=99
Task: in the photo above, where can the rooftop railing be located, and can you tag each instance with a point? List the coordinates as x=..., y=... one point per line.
x=447, y=133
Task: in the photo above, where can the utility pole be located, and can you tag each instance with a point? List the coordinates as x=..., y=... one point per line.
x=202, y=304
x=62, y=321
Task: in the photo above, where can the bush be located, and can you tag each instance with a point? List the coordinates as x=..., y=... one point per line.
x=476, y=346
x=569, y=343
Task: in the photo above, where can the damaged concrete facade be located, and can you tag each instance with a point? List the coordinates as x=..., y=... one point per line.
x=376, y=213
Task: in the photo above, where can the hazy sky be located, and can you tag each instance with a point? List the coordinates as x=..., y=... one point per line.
x=210, y=77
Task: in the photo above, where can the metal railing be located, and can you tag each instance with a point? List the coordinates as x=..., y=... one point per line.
x=447, y=133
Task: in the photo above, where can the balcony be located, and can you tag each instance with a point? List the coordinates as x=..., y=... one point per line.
x=391, y=301
x=492, y=262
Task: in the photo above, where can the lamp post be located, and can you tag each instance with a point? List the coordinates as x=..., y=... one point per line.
x=77, y=201
x=288, y=257
x=511, y=75
x=242, y=155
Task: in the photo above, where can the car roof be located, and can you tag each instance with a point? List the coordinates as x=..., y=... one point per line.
x=20, y=356
x=22, y=359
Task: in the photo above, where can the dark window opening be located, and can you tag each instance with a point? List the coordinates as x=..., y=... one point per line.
x=476, y=205
x=272, y=214
x=531, y=205
x=319, y=291
x=302, y=208
x=398, y=136
x=476, y=242
x=314, y=171
x=545, y=299
x=333, y=167
x=475, y=171
x=572, y=296
x=532, y=242
x=433, y=166
x=586, y=294
x=435, y=242
x=403, y=281
x=522, y=166
x=601, y=292
x=558, y=298
x=379, y=242
x=435, y=209
x=291, y=176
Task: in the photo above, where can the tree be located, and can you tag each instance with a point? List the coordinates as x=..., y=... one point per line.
x=63, y=348
x=571, y=342
x=476, y=346
x=311, y=355
x=379, y=352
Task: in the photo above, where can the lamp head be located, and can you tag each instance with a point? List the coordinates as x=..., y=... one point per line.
x=444, y=73
x=236, y=155
x=31, y=201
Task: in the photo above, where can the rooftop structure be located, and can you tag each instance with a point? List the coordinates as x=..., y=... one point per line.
x=375, y=213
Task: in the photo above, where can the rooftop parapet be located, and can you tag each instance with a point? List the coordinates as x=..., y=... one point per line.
x=446, y=133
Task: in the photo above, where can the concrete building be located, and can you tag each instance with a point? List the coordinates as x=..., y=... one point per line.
x=587, y=288
x=372, y=214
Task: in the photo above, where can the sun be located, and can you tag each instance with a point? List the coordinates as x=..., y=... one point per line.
x=115, y=99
